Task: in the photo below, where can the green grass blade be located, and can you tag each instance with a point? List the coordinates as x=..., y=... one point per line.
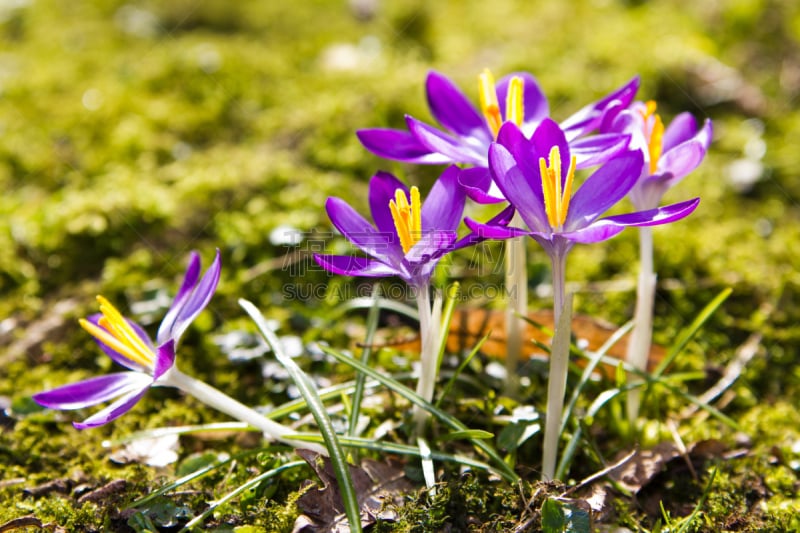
x=414, y=398
x=452, y=381
x=197, y=520
x=197, y=474
x=689, y=332
x=366, y=352
x=594, y=360
x=317, y=408
x=405, y=449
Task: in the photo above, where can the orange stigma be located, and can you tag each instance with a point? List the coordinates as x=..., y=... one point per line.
x=515, y=111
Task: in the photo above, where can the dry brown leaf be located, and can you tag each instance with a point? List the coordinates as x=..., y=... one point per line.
x=374, y=482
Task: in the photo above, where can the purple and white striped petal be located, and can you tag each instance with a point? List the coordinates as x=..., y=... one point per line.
x=606, y=228
x=597, y=149
x=187, y=306
x=113, y=411
x=605, y=187
x=361, y=233
x=456, y=149
x=346, y=265
x=165, y=358
x=398, y=145
x=93, y=391
x=590, y=117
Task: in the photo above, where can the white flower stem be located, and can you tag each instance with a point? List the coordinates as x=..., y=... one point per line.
x=516, y=309
x=559, y=361
x=641, y=337
x=429, y=325
x=224, y=403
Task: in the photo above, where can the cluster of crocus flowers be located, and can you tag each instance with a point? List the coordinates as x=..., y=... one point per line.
x=470, y=130
x=152, y=364
x=511, y=153
x=515, y=154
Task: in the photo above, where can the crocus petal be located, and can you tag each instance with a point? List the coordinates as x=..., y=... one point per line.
x=681, y=160
x=115, y=355
x=453, y=110
x=682, y=128
x=189, y=281
x=492, y=231
x=356, y=266
x=518, y=188
x=185, y=310
x=606, y=228
x=93, y=391
x=596, y=232
x=501, y=219
x=546, y=136
x=445, y=202
x=113, y=411
x=382, y=188
x=655, y=217
x=524, y=152
x=431, y=245
x=165, y=358
x=591, y=116
x=360, y=232
x=398, y=145
x=607, y=186
x=597, y=149
x=480, y=187
x=535, y=106
x=455, y=149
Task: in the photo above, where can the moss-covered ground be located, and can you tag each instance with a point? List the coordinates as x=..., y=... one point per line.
x=131, y=133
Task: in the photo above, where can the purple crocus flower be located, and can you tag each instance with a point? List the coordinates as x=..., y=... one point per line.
x=536, y=176
x=669, y=154
x=409, y=237
x=469, y=130
x=126, y=343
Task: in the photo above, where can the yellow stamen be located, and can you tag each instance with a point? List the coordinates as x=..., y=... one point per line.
x=489, y=104
x=655, y=135
x=407, y=217
x=515, y=110
x=556, y=201
x=114, y=331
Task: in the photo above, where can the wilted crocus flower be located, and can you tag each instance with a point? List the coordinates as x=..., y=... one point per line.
x=536, y=175
x=670, y=154
x=152, y=364
x=126, y=343
x=469, y=130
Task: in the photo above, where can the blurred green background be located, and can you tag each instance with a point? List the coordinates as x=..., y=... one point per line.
x=131, y=133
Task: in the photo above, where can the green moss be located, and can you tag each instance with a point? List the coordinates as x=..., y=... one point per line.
x=132, y=133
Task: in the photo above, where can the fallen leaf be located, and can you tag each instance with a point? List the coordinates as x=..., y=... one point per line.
x=374, y=482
